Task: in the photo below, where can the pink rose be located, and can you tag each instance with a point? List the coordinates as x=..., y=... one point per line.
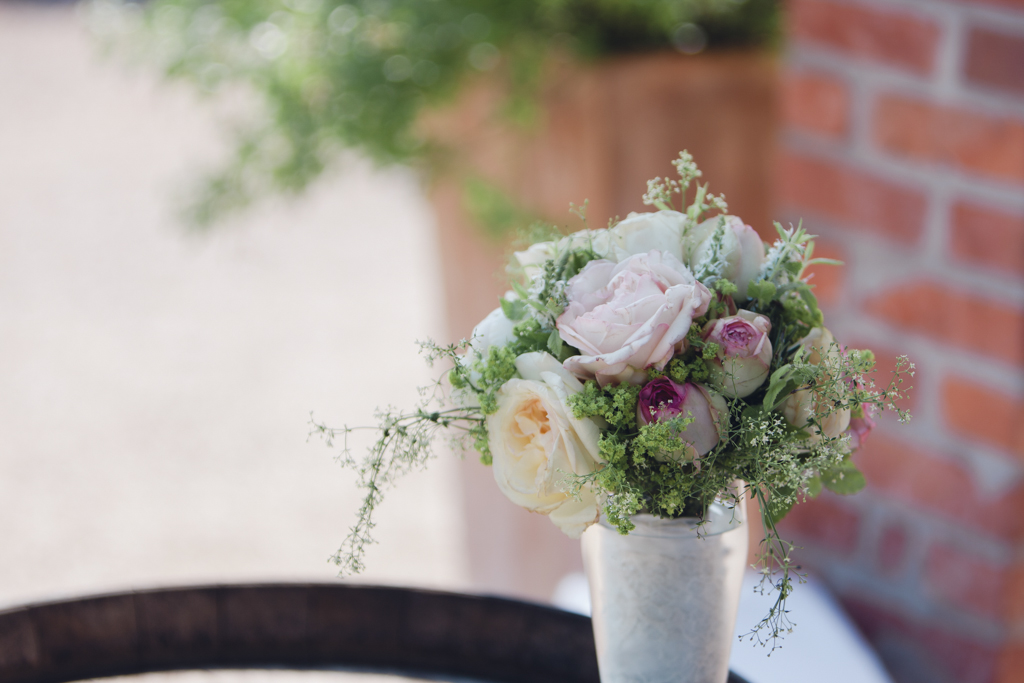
x=663, y=399
x=744, y=352
x=630, y=316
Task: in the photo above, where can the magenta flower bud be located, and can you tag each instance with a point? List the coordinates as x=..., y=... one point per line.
x=744, y=352
x=663, y=399
x=860, y=427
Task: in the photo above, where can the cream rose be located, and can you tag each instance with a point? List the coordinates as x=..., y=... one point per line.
x=802, y=404
x=536, y=442
x=630, y=316
x=743, y=250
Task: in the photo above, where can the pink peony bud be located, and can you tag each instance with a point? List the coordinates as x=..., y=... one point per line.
x=663, y=399
x=744, y=352
x=860, y=427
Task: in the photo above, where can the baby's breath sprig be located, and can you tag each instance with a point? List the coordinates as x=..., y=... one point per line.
x=687, y=169
x=405, y=442
x=659, y=193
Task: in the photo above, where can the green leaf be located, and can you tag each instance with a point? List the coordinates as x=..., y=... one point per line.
x=513, y=310
x=814, y=487
x=843, y=479
x=575, y=261
x=777, y=509
x=520, y=290
x=776, y=384
x=555, y=344
x=763, y=291
x=752, y=413
x=812, y=305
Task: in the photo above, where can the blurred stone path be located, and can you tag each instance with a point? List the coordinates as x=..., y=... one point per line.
x=155, y=385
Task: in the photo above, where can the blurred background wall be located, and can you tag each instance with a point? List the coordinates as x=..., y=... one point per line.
x=903, y=146
x=157, y=383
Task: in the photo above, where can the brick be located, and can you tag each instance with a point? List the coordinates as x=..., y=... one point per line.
x=958, y=657
x=985, y=237
x=956, y=317
x=892, y=550
x=825, y=522
x=974, y=142
x=964, y=580
x=980, y=412
x=994, y=59
x=921, y=479
x=899, y=39
x=817, y=103
x=1010, y=664
x=858, y=199
x=1014, y=597
x=1013, y=4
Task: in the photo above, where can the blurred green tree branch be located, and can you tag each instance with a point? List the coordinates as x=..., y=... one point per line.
x=357, y=74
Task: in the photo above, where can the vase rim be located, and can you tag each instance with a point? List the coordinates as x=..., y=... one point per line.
x=721, y=518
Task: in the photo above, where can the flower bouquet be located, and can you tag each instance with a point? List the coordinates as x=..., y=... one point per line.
x=642, y=381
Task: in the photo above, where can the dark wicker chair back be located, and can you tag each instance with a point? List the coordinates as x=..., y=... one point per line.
x=296, y=626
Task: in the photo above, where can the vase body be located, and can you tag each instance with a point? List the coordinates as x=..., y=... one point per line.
x=664, y=597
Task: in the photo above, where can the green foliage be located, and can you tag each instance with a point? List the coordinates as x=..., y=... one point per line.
x=489, y=207
x=358, y=74
x=616, y=405
x=514, y=309
x=843, y=479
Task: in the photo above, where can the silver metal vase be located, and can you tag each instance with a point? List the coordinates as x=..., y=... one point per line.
x=664, y=597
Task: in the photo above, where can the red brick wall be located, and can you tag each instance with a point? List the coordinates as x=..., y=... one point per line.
x=903, y=147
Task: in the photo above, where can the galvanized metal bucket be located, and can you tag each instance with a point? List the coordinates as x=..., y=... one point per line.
x=664, y=597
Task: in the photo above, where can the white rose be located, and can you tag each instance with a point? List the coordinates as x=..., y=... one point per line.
x=531, y=261
x=494, y=330
x=639, y=233
x=536, y=442
x=801, y=405
x=743, y=250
